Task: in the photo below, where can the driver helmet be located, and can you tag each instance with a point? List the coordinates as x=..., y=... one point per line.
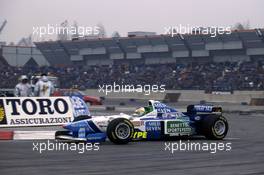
x=24, y=79
x=140, y=111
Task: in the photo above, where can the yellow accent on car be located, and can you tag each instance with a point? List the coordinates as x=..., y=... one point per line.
x=140, y=135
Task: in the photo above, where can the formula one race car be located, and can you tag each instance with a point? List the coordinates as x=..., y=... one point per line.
x=156, y=121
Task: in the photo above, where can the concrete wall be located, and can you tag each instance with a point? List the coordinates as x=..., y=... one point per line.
x=236, y=97
x=128, y=95
x=186, y=95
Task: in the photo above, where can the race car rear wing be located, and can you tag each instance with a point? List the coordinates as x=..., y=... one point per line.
x=204, y=109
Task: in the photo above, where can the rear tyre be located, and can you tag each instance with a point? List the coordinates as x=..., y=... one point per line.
x=120, y=131
x=214, y=127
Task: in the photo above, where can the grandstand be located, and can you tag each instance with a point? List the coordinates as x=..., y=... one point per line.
x=157, y=49
x=221, y=63
x=238, y=46
x=21, y=56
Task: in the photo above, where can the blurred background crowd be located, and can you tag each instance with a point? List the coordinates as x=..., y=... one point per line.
x=205, y=76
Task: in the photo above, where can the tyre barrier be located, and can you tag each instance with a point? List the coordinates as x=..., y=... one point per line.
x=110, y=108
x=132, y=99
x=172, y=97
x=202, y=102
x=122, y=104
x=244, y=103
x=257, y=101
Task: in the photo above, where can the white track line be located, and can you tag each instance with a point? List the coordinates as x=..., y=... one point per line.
x=33, y=135
x=232, y=138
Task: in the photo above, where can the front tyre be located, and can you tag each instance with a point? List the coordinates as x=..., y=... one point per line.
x=214, y=127
x=120, y=131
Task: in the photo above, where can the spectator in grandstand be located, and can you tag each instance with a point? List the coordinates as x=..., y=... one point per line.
x=44, y=87
x=23, y=88
x=202, y=76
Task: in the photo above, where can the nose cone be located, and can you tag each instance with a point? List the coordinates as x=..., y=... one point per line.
x=74, y=126
x=65, y=126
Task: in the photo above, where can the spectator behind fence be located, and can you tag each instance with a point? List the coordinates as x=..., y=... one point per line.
x=44, y=87
x=196, y=76
x=23, y=88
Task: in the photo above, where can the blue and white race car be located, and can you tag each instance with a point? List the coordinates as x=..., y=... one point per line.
x=157, y=121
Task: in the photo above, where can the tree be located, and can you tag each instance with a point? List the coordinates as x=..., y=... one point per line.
x=75, y=31
x=115, y=34
x=102, y=32
x=242, y=26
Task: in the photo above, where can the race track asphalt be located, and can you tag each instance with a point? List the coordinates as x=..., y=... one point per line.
x=245, y=158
